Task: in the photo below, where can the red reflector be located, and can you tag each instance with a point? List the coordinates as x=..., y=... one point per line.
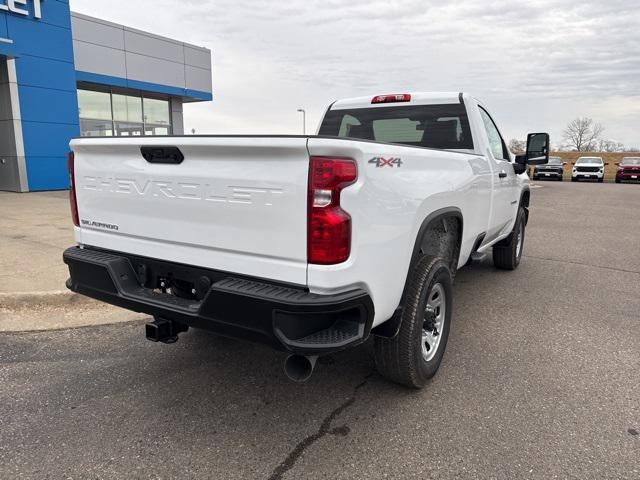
x=329, y=236
x=329, y=226
x=72, y=189
x=401, y=97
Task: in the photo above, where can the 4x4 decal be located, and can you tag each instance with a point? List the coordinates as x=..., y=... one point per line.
x=381, y=162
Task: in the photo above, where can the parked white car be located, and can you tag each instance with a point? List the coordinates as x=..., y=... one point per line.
x=309, y=244
x=589, y=168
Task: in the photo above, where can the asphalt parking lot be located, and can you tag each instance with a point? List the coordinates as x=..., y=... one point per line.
x=541, y=379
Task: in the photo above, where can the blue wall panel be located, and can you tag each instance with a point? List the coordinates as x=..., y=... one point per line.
x=47, y=173
x=3, y=25
x=47, y=91
x=44, y=138
x=39, y=72
x=33, y=37
x=48, y=105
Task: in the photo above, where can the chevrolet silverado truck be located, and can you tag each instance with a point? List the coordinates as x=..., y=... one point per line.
x=309, y=244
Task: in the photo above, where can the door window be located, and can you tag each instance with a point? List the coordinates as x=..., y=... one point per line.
x=497, y=145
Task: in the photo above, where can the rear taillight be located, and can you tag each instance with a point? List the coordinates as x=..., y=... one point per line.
x=72, y=190
x=401, y=97
x=329, y=226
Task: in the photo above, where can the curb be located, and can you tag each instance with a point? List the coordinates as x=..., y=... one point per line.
x=62, y=298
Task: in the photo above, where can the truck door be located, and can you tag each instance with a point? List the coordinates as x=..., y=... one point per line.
x=504, y=203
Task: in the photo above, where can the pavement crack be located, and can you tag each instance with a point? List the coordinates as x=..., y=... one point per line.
x=581, y=264
x=325, y=429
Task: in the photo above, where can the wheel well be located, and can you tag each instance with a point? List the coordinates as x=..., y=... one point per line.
x=440, y=235
x=441, y=238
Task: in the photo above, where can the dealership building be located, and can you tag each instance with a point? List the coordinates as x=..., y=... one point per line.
x=64, y=75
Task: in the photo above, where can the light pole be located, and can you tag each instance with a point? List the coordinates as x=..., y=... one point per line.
x=304, y=120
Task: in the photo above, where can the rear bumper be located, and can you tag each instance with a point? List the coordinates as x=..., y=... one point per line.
x=282, y=316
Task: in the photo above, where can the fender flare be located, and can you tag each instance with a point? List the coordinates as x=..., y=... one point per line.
x=391, y=327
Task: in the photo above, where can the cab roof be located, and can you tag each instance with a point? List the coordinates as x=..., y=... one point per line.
x=417, y=98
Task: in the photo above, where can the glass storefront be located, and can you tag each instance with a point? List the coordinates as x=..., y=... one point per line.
x=107, y=114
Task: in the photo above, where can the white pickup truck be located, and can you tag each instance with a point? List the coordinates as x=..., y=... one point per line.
x=310, y=244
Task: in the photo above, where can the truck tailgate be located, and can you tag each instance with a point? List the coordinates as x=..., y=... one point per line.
x=235, y=204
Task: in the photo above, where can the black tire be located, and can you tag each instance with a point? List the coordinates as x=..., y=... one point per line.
x=617, y=180
x=400, y=359
x=600, y=180
x=506, y=254
x=560, y=178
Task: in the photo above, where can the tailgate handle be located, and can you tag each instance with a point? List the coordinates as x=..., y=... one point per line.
x=170, y=155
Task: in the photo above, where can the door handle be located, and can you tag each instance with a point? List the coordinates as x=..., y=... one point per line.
x=502, y=174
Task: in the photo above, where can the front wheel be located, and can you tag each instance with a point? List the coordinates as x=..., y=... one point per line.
x=414, y=355
x=508, y=252
x=600, y=180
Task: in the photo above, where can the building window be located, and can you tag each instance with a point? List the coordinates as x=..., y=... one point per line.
x=95, y=113
x=127, y=115
x=157, y=119
x=107, y=114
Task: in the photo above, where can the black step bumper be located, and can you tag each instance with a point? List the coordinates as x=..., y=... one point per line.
x=283, y=316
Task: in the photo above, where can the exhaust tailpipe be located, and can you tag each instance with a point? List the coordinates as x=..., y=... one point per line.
x=299, y=368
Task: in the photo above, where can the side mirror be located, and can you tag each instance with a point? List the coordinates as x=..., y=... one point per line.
x=537, y=148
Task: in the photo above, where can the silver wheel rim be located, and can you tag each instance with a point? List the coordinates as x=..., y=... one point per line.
x=434, y=318
x=519, y=240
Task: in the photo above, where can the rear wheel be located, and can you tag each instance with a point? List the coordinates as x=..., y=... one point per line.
x=414, y=355
x=508, y=252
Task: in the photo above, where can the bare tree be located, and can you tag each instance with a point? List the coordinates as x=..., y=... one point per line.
x=610, y=146
x=583, y=134
x=517, y=146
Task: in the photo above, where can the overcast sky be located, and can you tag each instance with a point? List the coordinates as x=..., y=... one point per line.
x=536, y=64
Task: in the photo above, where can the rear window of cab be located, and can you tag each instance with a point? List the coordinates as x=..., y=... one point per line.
x=431, y=126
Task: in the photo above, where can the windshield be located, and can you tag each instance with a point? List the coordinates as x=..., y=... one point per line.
x=590, y=160
x=631, y=161
x=555, y=161
x=432, y=126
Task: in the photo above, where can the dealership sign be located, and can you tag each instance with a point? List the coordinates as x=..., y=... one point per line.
x=19, y=7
